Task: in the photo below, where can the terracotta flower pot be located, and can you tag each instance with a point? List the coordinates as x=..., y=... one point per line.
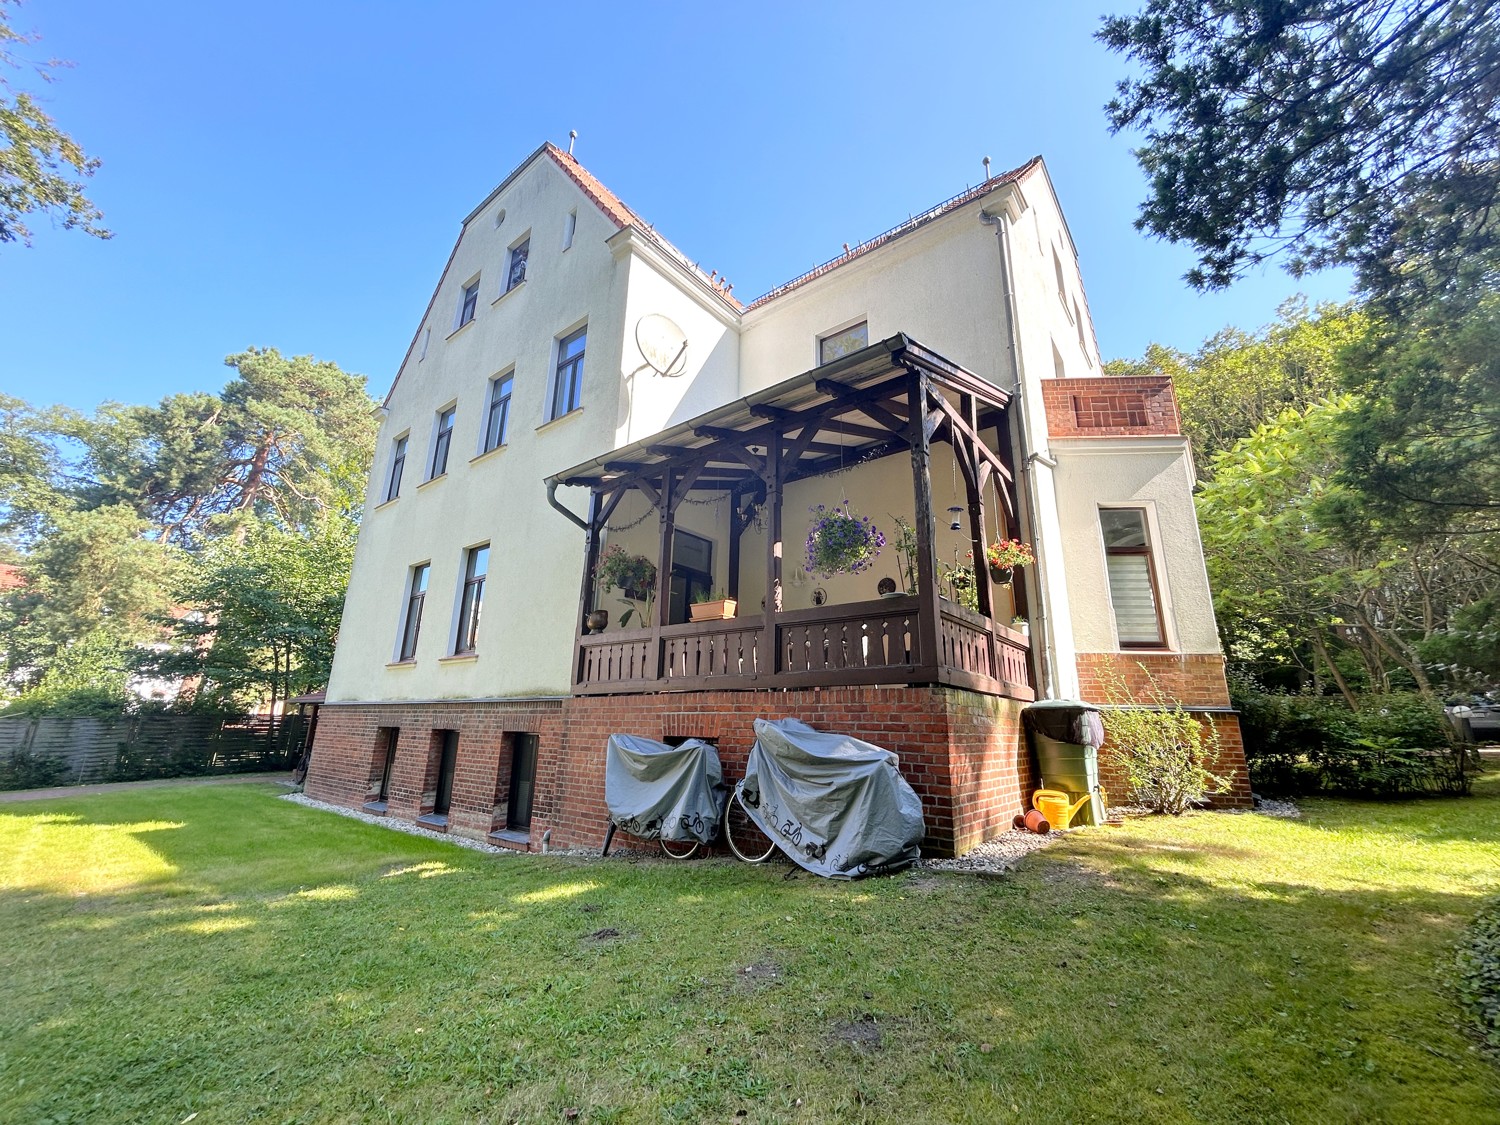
x=721, y=610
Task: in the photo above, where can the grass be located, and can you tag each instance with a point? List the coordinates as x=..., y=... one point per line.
x=212, y=950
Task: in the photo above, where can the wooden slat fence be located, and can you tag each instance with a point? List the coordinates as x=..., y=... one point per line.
x=133, y=748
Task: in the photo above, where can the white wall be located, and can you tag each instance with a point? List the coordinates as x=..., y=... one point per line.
x=1155, y=474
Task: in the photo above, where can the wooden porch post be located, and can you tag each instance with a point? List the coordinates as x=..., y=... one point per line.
x=663, y=573
x=921, y=464
x=767, y=656
x=975, y=497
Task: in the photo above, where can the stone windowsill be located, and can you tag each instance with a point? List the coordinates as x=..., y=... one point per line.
x=433, y=480
x=411, y=663
x=516, y=288
x=488, y=453
x=459, y=658
x=560, y=419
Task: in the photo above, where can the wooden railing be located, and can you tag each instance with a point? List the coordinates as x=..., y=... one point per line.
x=874, y=642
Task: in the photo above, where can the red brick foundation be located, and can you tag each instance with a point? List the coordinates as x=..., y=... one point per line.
x=961, y=751
x=1196, y=681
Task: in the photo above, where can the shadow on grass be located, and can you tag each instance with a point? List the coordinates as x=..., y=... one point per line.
x=1213, y=969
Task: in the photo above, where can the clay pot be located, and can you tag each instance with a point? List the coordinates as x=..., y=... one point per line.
x=1032, y=821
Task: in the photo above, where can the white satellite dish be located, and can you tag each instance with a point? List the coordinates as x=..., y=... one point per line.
x=663, y=345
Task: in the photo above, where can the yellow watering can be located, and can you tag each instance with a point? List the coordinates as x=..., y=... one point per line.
x=1053, y=804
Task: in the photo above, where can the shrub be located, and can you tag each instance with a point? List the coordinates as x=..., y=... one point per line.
x=21, y=769
x=1395, y=745
x=1479, y=974
x=1165, y=752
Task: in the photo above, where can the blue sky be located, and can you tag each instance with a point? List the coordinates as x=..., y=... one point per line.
x=293, y=175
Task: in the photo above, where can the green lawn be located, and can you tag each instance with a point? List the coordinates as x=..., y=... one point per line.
x=213, y=950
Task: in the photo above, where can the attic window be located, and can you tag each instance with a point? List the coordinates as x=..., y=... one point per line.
x=570, y=227
x=841, y=343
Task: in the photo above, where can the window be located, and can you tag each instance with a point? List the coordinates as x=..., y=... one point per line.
x=851, y=339
x=387, y=738
x=1132, y=578
x=476, y=565
x=1062, y=286
x=468, y=304
x=398, y=466
x=1058, y=368
x=497, y=415
x=570, y=227
x=426, y=339
x=1082, y=340
x=441, y=442
x=567, y=385
x=411, y=627
x=692, y=574
x=516, y=273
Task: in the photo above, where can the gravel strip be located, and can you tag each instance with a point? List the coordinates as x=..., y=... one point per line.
x=997, y=856
x=395, y=824
x=1269, y=806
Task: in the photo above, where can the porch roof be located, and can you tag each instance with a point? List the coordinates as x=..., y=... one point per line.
x=844, y=412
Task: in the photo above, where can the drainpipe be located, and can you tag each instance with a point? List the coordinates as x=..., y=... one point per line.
x=563, y=508
x=1029, y=496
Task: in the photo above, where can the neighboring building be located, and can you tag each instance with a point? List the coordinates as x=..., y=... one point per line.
x=571, y=355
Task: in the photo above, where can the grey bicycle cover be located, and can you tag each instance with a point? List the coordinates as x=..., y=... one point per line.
x=837, y=806
x=656, y=791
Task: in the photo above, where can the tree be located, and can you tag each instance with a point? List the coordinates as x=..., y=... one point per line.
x=1423, y=443
x=286, y=440
x=1287, y=576
x=1358, y=132
x=1240, y=380
x=267, y=613
x=40, y=165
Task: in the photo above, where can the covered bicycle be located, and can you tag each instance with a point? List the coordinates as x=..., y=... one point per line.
x=674, y=794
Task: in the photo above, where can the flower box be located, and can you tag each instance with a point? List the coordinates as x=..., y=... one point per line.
x=721, y=610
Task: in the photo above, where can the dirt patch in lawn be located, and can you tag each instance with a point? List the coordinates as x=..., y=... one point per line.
x=863, y=1034
x=762, y=973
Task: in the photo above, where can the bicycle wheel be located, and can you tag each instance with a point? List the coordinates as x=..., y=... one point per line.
x=680, y=849
x=744, y=836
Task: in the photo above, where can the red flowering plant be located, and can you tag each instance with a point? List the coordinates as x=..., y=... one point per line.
x=1005, y=554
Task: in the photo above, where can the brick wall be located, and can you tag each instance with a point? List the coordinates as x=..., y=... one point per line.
x=1195, y=680
x=1110, y=407
x=959, y=750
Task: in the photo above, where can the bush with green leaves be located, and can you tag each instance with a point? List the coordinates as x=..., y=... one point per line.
x=1168, y=755
x=22, y=769
x=1479, y=974
x=1395, y=745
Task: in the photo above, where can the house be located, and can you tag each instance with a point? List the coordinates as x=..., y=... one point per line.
x=578, y=385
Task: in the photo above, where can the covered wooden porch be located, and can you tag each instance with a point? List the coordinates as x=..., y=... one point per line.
x=890, y=398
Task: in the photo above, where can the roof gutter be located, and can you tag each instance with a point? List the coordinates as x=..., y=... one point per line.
x=552, y=483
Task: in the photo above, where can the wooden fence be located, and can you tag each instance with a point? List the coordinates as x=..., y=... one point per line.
x=133, y=748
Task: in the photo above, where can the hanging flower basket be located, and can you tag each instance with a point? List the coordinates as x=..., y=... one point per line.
x=634, y=575
x=1004, y=556
x=840, y=542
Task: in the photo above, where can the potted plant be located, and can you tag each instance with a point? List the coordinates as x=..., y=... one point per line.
x=906, y=555
x=840, y=542
x=962, y=583
x=712, y=606
x=1003, y=556
x=634, y=576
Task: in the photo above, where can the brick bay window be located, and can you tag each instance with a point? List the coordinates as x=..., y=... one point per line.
x=476, y=565
x=398, y=466
x=411, y=617
x=441, y=441
x=1132, y=578
x=567, y=382
x=497, y=412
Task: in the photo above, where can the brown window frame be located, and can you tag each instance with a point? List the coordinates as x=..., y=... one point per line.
x=1150, y=556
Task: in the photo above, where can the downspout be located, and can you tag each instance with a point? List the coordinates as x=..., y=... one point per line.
x=561, y=507
x=1029, y=497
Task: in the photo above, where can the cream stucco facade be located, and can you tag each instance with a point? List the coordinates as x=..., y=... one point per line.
x=991, y=281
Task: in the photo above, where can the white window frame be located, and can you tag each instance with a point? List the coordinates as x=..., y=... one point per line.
x=553, y=379
x=848, y=325
x=390, y=467
x=463, y=302
x=408, y=591
x=1155, y=546
x=484, y=415
x=432, y=445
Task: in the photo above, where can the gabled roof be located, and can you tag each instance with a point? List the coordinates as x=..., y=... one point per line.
x=623, y=216
x=907, y=227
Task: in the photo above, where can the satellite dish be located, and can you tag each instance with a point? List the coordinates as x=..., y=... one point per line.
x=663, y=345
